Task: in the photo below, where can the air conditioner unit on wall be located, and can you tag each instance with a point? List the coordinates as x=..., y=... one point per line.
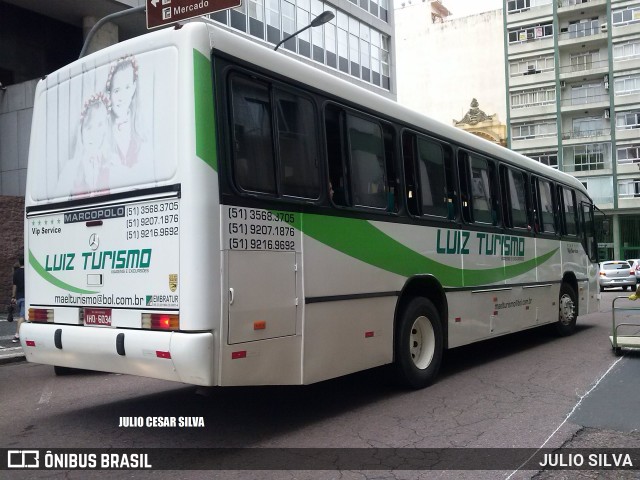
x=604, y=27
x=607, y=113
x=563, y=84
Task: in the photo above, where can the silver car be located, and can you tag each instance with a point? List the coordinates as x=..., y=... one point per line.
x=616, y=274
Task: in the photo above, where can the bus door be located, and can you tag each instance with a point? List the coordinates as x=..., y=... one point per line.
x=262, y=298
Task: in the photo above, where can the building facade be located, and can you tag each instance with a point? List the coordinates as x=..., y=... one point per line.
x=38, y=37
x=572, y=72
x=444, y=62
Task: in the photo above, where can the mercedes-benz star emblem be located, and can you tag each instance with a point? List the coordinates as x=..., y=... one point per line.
x=94, y=241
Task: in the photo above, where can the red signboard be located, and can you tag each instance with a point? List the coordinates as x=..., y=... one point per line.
x=165, y=12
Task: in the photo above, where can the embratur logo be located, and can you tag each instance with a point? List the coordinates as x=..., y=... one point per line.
x=23, y=459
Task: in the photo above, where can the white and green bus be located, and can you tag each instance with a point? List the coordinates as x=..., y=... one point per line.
x=202, y=209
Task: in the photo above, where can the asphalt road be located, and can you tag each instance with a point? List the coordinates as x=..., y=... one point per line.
x=530, y=390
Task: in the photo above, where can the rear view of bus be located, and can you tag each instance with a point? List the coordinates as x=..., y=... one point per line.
x=114, y=166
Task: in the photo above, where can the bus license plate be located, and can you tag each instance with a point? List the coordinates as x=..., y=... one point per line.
x=100, y=317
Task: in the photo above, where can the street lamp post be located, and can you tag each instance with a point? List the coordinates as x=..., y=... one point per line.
x=321, y=19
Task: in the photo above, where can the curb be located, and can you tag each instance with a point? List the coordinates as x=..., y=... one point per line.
x=12, y=358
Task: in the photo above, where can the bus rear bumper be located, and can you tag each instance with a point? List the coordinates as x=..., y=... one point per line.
x=177, y=356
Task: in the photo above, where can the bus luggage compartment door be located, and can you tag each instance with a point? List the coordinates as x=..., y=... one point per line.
x=262, y=295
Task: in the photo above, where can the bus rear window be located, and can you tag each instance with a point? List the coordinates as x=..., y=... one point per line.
x=111, y=126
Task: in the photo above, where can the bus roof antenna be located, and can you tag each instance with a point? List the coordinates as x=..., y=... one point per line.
x=321, y=19
x=103, y=20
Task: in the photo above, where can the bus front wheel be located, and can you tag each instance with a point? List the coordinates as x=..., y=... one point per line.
x=567, y=310
x=418, y=344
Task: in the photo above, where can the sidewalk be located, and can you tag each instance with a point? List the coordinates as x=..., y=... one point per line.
x=9, y=351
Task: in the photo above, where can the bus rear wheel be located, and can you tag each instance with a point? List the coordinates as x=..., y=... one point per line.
x=568, y=308
x=63, y=371
x=418, y=344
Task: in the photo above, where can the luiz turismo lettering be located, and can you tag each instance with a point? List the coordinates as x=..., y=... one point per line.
x=463, y=242
x=113, y=259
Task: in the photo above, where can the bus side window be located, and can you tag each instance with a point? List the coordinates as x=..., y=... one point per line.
x=368, y=172
x=410, y=181
x=335, y=147
x=432, y=178
x=464, y=177
x=569, y=212
x=515, y=198
x=253, y=159
x=562, y=229
x=297, y=146
x=393, y=179
x=479, y=189
x=547, y=210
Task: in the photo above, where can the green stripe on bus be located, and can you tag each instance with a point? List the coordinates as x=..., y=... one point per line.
x=361, y=240
x=205, y=120
x=53, y=280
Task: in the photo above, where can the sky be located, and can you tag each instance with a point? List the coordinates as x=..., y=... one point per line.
x=462, y=8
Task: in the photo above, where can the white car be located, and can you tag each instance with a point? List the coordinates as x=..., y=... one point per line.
x=635, y=267
x=616, y=273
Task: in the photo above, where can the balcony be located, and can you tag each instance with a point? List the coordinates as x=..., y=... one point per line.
x=574, y=104
x=578, y=133
x=570, y=7
x=529, y=10
x=589, y=37
x=585, y=70
x=627, y=133
x=626, y=98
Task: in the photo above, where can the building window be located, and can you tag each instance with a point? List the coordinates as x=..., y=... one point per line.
x=587, y=127
x=515, y=6
x=583, y=61
x=627, y=85
x=629, y=188
x=629, y=154
x=533, y=98
x=583, y=28
x=526, y=131
x=583, y=158
x=547, y=158
x=588, y=93
x=525, y=34
x=600, y=188
x=531, y=66
x=344, y=43
x=626, y=16
x=626, y=51
x=627, y=120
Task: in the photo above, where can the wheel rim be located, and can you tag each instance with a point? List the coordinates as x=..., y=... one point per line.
x=422, y=342
x=567, y=309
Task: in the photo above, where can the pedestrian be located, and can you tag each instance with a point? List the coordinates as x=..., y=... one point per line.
x=17, y=296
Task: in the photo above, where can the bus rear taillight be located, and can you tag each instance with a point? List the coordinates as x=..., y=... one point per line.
x=160, y=321
x=40, y=315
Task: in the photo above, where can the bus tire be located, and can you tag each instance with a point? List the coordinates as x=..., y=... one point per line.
x=568, y=305
x=418, y=344
x=62, y=371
